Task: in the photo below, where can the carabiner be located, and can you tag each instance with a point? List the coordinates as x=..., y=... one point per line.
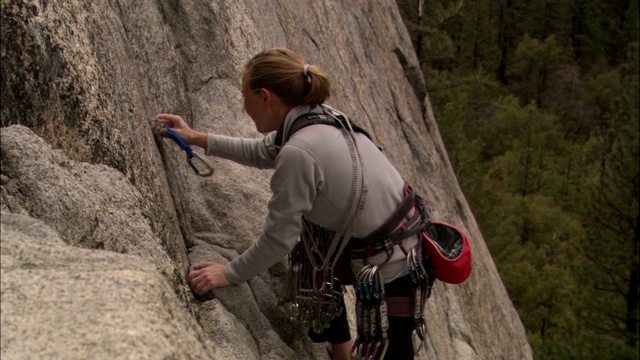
x=203, y=169
x=208, y=170
x=419, y=338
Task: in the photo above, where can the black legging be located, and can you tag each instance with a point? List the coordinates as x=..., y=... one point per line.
x=400, y=328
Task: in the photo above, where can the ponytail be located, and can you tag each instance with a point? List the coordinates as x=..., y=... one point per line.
x=286, y=74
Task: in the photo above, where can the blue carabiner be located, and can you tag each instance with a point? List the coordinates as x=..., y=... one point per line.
x=178, y=140
x=191, y=155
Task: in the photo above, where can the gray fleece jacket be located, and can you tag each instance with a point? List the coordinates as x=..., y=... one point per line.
x=312, y=178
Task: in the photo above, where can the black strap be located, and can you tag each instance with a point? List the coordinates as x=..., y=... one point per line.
x=309, y=119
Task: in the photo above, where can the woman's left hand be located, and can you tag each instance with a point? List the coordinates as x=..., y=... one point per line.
x=207, y=276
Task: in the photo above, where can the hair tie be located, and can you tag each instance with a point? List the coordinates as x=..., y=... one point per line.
x=306, y=73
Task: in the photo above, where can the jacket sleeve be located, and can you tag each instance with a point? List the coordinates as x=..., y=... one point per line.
x=295, y=183
x=259, y=153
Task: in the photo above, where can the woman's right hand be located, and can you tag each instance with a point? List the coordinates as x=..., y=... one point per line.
x=206, y=276
x=180, y=127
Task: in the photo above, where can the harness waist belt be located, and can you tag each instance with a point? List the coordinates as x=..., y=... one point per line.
x=384, y=238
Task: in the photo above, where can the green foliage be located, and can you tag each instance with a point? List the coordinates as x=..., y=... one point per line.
x=424, y=19
x=464, y=106
x=533, y=66
x=526, y=226
x=537, y=103
x=612, y=243
x=544, y=296
x=474, y=22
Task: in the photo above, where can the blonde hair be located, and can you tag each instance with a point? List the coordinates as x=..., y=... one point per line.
x=285, y=73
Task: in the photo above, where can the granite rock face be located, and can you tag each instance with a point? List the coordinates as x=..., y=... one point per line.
x=101, y=220
x=65, y=302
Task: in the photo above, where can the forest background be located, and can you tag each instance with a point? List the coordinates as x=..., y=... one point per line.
x=537, y=103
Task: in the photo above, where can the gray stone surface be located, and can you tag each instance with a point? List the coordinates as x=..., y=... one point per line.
x=80, y=80
x=91, y=206
x=65, y=302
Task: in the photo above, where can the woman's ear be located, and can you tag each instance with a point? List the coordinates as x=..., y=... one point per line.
x=266, y=96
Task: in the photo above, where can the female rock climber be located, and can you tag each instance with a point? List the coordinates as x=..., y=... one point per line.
x=317, y=171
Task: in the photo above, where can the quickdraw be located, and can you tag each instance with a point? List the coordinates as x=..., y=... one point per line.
x=371, y=315
x=203, y=168
x=421, y=292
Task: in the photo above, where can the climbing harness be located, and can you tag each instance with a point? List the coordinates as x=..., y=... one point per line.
x=195, y=161
x=312, y=294
x=393, y=230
